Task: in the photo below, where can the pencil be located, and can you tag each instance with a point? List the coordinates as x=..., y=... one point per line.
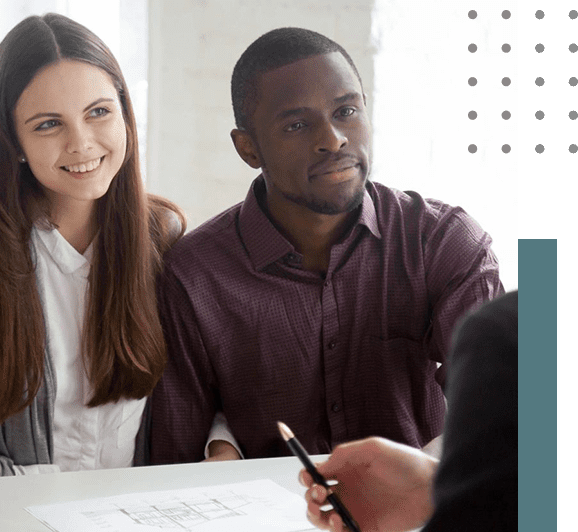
x=298, y=450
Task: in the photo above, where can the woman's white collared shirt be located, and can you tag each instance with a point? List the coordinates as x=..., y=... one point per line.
x=84, y=438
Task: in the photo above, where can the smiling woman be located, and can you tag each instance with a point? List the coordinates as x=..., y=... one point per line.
x=70, y=126
x=84, y=242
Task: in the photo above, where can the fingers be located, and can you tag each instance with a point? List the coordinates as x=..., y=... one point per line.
x=316, y=494
x=335, y=523
x=316, y=498
x=326, y=520
x=305, y=478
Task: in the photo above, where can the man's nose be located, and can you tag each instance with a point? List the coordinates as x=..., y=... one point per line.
x=330, y=139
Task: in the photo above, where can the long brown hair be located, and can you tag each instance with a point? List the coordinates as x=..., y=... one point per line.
x=123, y=347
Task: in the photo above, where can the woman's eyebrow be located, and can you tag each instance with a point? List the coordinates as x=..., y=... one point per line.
x=42, y=115
x=58, y=115
x=97, y=101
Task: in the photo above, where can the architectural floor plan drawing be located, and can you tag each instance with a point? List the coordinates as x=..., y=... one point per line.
x=184, y=514
x=256, y=506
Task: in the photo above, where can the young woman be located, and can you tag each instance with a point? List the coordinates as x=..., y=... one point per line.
x=81, y=345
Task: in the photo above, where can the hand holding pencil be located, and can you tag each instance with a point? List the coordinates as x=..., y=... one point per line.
x=298, y=450
x=386, y=486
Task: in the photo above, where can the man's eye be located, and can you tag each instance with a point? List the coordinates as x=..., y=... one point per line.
x=295, y=126
x=49, y=124
x=346, y=111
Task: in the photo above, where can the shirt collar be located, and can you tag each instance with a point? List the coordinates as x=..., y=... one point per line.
x=368, y=214
x=265, y=244
x=68, y=259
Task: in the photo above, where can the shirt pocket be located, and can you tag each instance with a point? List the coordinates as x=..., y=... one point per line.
x=397, y=386
x=386, y=372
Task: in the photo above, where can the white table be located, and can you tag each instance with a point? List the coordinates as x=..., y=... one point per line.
x=16, y=493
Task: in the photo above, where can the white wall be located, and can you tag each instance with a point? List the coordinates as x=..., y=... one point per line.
x=422, y=99
x=415, y=52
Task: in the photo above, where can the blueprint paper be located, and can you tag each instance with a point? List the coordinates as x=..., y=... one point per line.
x=256, y=506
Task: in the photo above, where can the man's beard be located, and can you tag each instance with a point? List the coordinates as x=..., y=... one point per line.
x=322, y=206
x=318, y=205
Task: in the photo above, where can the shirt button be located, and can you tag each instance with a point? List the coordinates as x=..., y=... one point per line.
x=326, y=283
x=335, y=407
x=291, y=256
x=331, y=344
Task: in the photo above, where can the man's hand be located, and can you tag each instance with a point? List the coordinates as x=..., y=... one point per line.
x=386, y=486
x=222, y=450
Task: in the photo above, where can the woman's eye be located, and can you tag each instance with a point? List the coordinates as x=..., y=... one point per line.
x=49, y=124
x=295, y=127
x=99, y=111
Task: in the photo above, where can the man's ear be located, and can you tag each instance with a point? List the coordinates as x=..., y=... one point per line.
x=246, y=148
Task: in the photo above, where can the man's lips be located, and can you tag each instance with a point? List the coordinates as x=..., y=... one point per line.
x=333, y=167
x=336, y=170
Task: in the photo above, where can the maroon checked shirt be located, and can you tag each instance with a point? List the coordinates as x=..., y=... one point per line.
x=336, y=358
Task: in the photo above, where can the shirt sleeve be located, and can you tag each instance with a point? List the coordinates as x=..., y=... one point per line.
x=462, y=273
x=7, y=468
x=25, y=438
x=36, y=469
x=185, y=400
x=220, y=431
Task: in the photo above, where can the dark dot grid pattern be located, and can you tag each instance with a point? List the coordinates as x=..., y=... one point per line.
x=506, y=14
x=278, y=342
x=472, y=148
x=573, y=48
x=506, y=148
x=472, y=82
x=506, y=82
x=539, y=115
x=472, y=48
x=506, y=115
x=472, y=14
x=539, y=148
x=573, y=81
x=573, y=115
x=540, y=82
x=539, y=14
x=573, y=14
x=472, y=115
x=540, y=48
x=573, y=148
x=506, y=48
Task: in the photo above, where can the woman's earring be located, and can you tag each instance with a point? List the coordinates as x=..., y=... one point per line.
x=22, y=159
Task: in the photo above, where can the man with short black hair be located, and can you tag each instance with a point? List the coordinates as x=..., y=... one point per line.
x=324, y=300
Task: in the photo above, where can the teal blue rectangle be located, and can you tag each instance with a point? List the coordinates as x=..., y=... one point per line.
x=537, y=366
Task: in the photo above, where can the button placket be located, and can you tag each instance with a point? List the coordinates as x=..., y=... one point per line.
x=333, y=361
